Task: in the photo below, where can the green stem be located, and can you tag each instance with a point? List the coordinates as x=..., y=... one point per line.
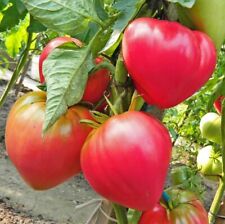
x=214, y=209
x=121, y=71
x=121, y=214
x=220, y=191
x=137, y=102
x=18, y=69
x=118, y=87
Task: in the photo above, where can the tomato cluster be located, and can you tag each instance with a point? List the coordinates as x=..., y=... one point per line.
x=127, y=157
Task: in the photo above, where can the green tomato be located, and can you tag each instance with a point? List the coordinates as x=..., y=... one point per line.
x=207, y=16
x=209, y=163
x=210, y=127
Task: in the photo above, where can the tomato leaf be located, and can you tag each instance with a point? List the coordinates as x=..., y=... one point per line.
x=12, y=15
x=127, y=11
x=99, y=7
x=3, y=4
x=66, y=74
x=184, y=3
x=36, y=27
x=70, y=17
x=16, y=38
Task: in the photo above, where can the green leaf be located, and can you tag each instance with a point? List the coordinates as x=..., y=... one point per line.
x=20, y=6
x=16, y=38
x=3, y=4
x=127, y=11
x=99, y=7
x=66, y=76
x=36, y=27
x=12, y=16
x=184, y=3
x=66, y=16
x=89, y=33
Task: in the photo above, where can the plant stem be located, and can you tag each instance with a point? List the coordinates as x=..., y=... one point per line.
x=119, y=88
x=220, y=191
x=121, y=214
x=20, y=65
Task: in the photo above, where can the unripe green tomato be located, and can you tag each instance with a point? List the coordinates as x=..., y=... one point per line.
x=209, y=163
x=207, y=16
x=210, y=126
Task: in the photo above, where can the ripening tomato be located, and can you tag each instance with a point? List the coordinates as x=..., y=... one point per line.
x=97, y=82
x=186, y=209
x=45, y=161
x=167, y=61
x=127, y=158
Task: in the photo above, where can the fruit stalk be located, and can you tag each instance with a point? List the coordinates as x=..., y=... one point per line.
x=220, y=191
x=121, y=214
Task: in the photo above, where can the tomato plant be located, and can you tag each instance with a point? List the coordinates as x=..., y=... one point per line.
x=148, y=61
x=45, y=162
x=133, y=188
x=185, y=207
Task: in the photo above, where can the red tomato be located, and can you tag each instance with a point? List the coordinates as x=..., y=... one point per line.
x=97, y=82
x=45, y=161
x=218, y=104
x=167, y=61
x=127, y=158
x=187, y=209
x=158, y=215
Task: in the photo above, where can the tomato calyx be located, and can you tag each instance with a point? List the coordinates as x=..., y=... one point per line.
x=174, y=197
x=99, y=119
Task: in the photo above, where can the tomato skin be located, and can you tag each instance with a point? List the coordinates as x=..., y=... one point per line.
x=122, y=160
x=44, y=162
x=218, y=104
x=188, y=209
x=97, y=82
x=167, y=61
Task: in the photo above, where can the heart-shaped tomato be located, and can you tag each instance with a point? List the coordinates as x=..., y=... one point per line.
x=45, y=161
x=127, y=158
x=167, y=61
